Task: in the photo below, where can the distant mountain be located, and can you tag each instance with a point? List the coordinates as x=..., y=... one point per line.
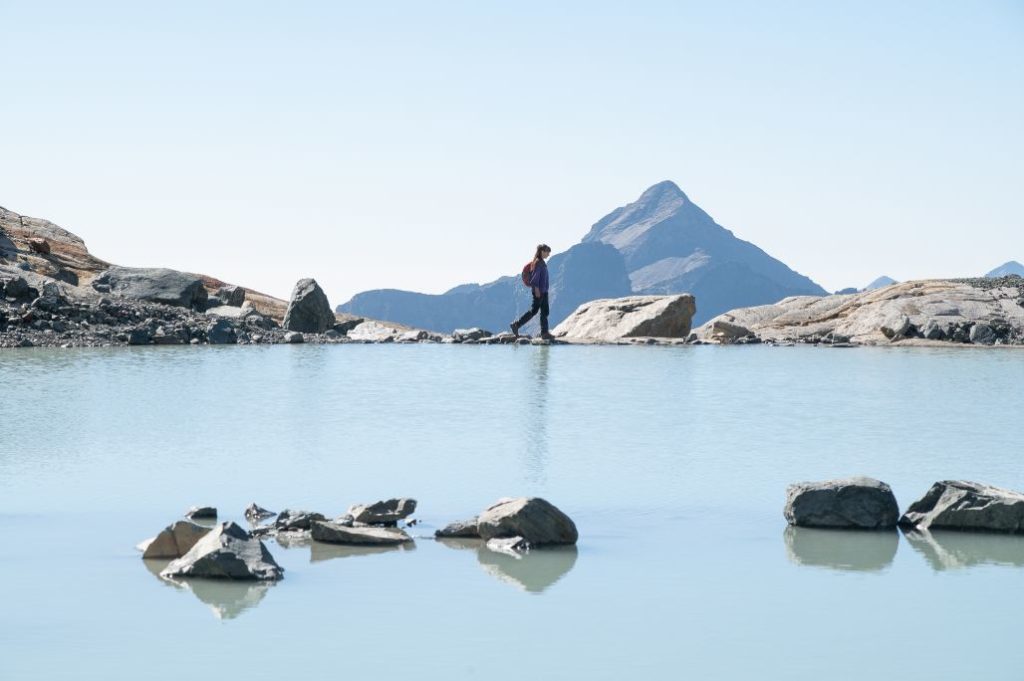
x=661, y=243
x=847, y=291
x=1006, y=269
x=881, y=282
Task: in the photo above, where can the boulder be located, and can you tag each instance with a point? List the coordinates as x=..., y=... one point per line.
x=896, y=328
x=139, y=336
x=17, y=289
x=174, y=541
x=963, y=505
x=464, y=528
x=333, y=533
x=535, y=520
x=289, y=519
x=859, y=502
x=476, y=334
x=383, y=512
x=221, y=332
x=201, y=513
x=982, y=334
x=294, y=337
x=231, y=295
x=154, y=285
x=255, y=512
x=634, y=316
x=308, y=310
x=226, y=552
x=724, y=331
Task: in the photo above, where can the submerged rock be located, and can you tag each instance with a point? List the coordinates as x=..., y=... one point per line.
x=535, y=520
x=383, y=512
x=308, y=310
x=174, y=541
x=226, y=552
x=334, y=533
x=858, y=502
x=634, y=316
x=963, y=505
x=461, y=528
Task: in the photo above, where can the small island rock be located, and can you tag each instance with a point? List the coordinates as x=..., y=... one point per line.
x=963, y=505
x=226, y=552
x=858, y=502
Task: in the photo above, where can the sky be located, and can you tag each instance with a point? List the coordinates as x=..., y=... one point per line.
x=423, y=145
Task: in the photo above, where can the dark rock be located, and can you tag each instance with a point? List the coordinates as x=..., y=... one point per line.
x=38, y=245
x=221, y=332
x=294, y=337
x=308, y=310
x=156, y=285
x=201, y=513
x=537, y=521
x=139, y=336
x=476, y=334
x=859, y=502
x=226, y=552
x=465, y=528
x=383, y=512
x=231, y=295
x=289, y=519
x=963, y=505
x=255, y=512
x=17, y=289
x=334, y=533
x=982, y=334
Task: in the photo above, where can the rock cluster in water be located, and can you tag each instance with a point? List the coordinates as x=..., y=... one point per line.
x=869, y=504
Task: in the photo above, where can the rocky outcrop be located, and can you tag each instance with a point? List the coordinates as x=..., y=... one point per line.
x=174, y=541
x=861, y=503
x=963, y=505
x=226, y=552
x=631, y=317
x=533, y=519
x=308, y=310
x=982, y=311
x=386, y=512
x=154, y=285
x=335, y=533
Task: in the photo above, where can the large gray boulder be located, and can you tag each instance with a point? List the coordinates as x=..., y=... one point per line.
x=386, y=512
x=226, y=552
x=308, y=310
x=174, y=541
x=963, y=505
x=334, y=533
x=859, y=502
x=155, y=285
x=535, y=520
x=612, y=319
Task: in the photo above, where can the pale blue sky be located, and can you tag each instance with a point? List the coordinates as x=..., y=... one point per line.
x=423, y=145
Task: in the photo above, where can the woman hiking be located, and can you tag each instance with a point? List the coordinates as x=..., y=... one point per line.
x=535, y=275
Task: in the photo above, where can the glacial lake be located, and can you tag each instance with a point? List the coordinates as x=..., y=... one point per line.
x=673, y=461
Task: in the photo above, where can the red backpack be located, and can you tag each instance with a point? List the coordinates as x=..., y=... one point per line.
x=528, y=274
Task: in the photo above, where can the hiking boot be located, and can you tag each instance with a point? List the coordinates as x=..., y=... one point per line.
x=515, y=329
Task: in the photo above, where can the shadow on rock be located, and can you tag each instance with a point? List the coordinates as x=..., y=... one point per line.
x=319, y=551
x=951, y=550
x=847, y=549
x=226, y=598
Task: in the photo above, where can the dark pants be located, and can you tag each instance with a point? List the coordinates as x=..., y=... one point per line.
x=541, y=305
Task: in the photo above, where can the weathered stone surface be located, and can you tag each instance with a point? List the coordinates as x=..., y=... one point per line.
x=963, y=505
x=334, y=533
x=308, y=310
x=221, y=332
x=226, y=552
x=289, y=519
x=231, y=295
x=634, y=316
x=858, y=502
x=201, y=513
x=156, y=285
x=911, y=312
x=256, y=512
x=727, y=332
x=537, y=521
x=174, y=541
x=39, y=245
x=383, y=512
x=513, y=546
x=464, y=528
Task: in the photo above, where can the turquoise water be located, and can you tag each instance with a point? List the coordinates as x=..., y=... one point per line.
x=672, y=461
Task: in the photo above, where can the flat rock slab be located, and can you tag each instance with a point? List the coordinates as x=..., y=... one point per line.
x=533, y=519
x=155, y=285
x=963, y=505
x=854, y=503
x=612, y=319
x=174, y=541
x=226, y=552
x=332, y=533
x=383, y=512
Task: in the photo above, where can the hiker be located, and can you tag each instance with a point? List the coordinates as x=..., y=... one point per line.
x=535, y=275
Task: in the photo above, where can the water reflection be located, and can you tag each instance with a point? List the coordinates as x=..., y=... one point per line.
x=536, y=438
x=533, y=572
x=855, y=550
x=226, y=598
x=951, y=550
x=319, y=551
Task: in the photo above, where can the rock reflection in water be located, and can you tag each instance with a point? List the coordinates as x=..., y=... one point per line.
x=534, y=571
x=855, y=550
x=950, y=550
x=319, y=551
x=227, y=598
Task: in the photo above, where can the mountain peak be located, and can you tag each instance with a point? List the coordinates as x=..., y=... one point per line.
x=1007, y=268
x=664, y=190
x=627, y=223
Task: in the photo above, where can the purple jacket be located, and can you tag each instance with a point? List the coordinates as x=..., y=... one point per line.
x=539, y=280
